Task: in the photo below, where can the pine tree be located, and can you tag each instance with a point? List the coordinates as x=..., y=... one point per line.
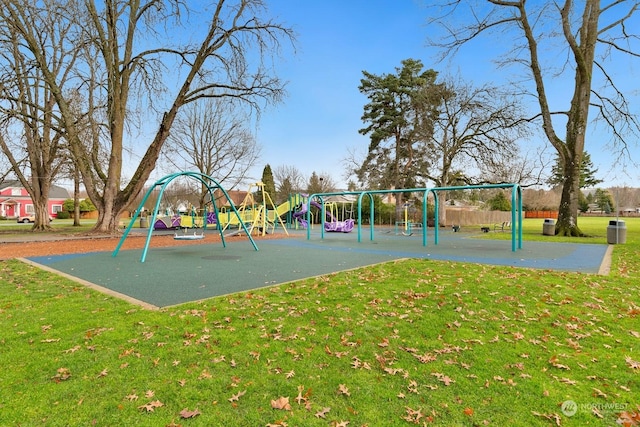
x=268, y=182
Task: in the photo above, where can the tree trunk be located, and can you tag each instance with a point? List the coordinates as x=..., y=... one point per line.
x=76, y=198
x=442, y=208
x=567, y=224
x=108, y=220
x=42, y=223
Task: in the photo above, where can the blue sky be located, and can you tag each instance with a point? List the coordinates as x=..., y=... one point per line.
x=336, y=41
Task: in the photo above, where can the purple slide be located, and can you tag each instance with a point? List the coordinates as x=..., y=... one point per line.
x=163, y=223
x=332, y=226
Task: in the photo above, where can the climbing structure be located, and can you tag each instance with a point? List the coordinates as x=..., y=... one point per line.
x=260, y=217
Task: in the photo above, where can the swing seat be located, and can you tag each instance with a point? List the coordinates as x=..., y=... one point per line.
x=193, y=236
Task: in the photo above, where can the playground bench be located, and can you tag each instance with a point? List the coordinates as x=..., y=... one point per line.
x=504, y=226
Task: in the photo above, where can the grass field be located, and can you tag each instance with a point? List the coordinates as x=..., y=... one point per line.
x=414, y=342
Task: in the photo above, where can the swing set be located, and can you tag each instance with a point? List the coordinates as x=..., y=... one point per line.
x=211, y=186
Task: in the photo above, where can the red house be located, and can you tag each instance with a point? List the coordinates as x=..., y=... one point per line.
x=15, y=202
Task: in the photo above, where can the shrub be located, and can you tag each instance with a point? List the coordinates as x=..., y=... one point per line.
x=63, y=215
x=85, y=205
x=499, y=202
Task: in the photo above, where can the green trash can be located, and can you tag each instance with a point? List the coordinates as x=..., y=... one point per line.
x=616, y=232
x=549, y=227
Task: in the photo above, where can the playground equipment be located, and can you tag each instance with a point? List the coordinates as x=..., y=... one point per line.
x=167, y=222
x=185, y=236
x=262, y=217
x=516, y=208
x=193, y=220
x=333, y=225
x=208, y=183
x=407, y=226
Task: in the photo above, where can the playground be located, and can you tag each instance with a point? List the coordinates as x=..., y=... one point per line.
x=173, y=275
x=179, y=274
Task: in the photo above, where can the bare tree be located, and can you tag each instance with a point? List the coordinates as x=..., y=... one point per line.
x=320, y=183
x=211, y=137
x=591, y=35
x=289, y=180
x=134, y=61
x=475, y=129
x=31, y=137
x=525, y=168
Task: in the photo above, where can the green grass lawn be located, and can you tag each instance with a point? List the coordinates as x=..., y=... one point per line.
x=58, y=226
x=414, y=342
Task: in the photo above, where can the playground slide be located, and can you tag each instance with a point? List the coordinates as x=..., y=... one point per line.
x=166, y=222
x=229, y=218
x=332, y=226
x=280, y=210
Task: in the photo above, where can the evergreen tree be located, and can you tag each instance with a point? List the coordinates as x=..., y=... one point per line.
x=398, y=114
x=499, y=202
x=268, y=182
x=604, y=200
x=587, y=173
x=315, y=184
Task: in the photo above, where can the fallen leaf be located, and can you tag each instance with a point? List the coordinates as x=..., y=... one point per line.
x=281, y=403
x=237, y=396
x=73, y=349
x=62, y=374
x=596, y=412
x=443, y=378
x=185, y=413
x=342, y=389
x=551, y=417
x=151, y=406
x=322, y=413
x=629, y=418
x=633, y=364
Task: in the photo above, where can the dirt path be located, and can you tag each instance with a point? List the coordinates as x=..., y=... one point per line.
x=84, y=244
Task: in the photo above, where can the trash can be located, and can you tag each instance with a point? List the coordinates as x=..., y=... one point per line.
x=144, y=223
x=549, y=227
x=616, y=232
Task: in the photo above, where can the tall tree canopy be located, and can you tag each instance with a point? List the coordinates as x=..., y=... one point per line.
x=590, y=35
x=400, y=112
x=135, y=64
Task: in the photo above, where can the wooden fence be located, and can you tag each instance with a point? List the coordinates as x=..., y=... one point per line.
x=479, y=218
x=541, y=214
